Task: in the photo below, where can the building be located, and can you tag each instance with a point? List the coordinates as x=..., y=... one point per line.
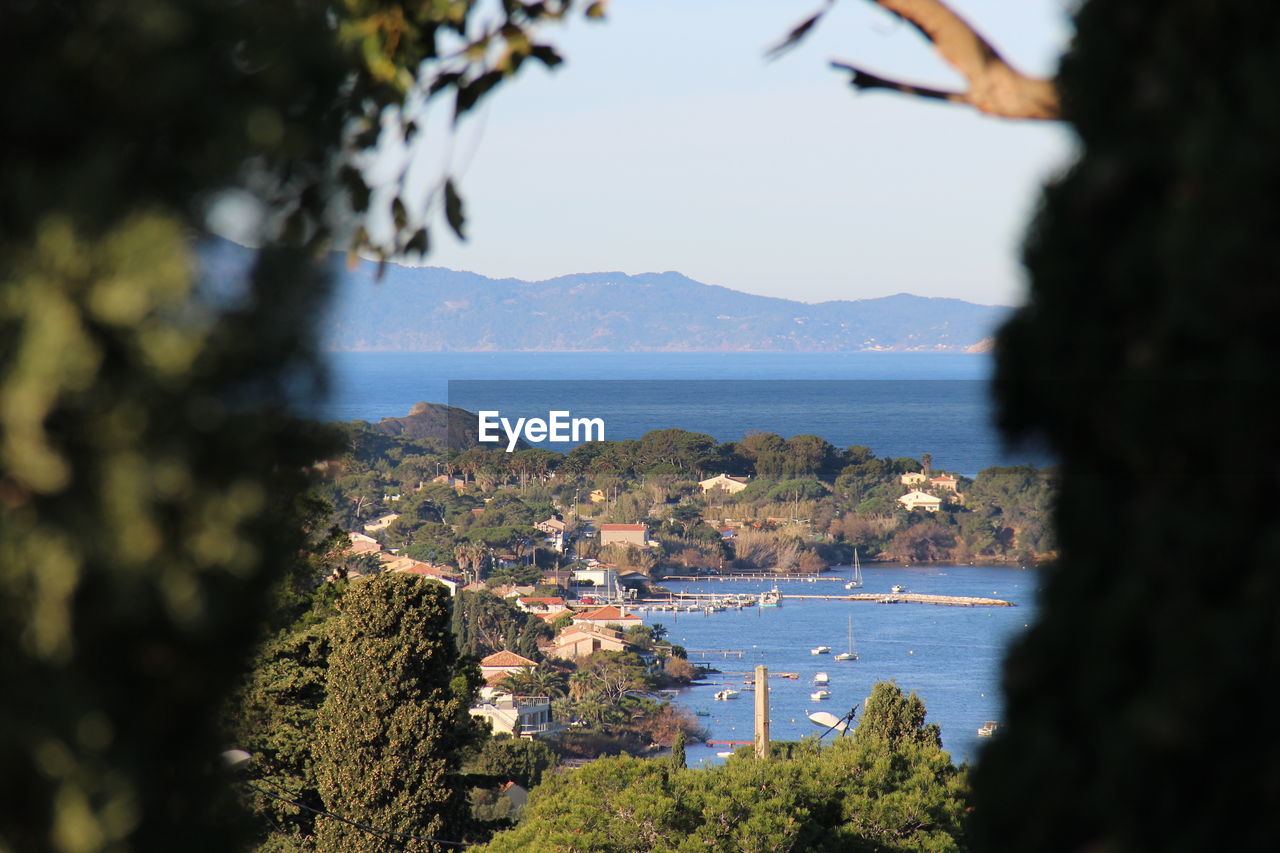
x=381, y=522
x=914, y=478
x=547, y=608
x=917, y=499
x=503, y=663
x=446, y=575
x=597, y=496
x=555, y=529
x=603, y=578
x=604, y=616
x=946, y=481
x=624, y=534
x=518, y=716
x=732, y=485
x=580, y=641
x=361, y=544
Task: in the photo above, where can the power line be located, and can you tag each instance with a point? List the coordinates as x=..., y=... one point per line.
x=356, y=824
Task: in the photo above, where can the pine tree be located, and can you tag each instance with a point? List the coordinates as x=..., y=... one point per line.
x=394, y=725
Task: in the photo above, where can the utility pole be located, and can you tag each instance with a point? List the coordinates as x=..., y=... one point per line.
x=762, y=712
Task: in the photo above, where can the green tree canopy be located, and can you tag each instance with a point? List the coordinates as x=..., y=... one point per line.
x=395, y=721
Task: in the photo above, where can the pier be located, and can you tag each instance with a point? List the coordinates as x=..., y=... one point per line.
x=768, y=577
x=910, y=598
x=724, y=653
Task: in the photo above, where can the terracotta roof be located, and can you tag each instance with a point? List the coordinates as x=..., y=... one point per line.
x=609, y=614
x=541, y=600
x=507, y=658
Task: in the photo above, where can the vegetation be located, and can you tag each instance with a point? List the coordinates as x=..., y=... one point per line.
x=395, y=722
x=807, y=504
x=890, y=787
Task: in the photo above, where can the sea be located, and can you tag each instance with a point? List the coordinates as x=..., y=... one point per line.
x=898, y=404
x=948, y=655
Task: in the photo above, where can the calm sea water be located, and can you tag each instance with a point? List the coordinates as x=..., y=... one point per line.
x=898, y=404
x=949, y=655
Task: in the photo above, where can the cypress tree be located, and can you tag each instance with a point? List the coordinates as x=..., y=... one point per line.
x=394, y=725
x=677, y=752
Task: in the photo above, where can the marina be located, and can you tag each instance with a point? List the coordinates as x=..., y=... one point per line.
x=950, y=655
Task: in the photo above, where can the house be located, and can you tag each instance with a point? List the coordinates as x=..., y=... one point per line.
x=552, y=525
x=603, y=578
x=542, y=606
x=609, y=615
x=580, y=641
x=554, y=528
x=917, y=499
x=382, y=522
x=946, y=481
x=518, y=716
x=732, y=485
x=456, y=482
x=597, y=496
x=443, y=574
x=361, y=544
x=503, y=663
x=914, y=478
x=624, y=534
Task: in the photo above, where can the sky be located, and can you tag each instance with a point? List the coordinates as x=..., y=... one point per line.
x=667, y=142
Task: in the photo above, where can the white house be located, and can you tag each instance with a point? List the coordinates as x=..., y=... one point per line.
x=917, y=499
x=913, y=478
x=732, y=485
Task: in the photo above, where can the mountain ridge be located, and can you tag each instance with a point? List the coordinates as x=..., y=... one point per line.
x=432, y=309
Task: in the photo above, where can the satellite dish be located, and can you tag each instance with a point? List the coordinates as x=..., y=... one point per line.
x=828, y=720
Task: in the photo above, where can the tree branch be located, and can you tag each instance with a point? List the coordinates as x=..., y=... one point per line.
x=995, y=87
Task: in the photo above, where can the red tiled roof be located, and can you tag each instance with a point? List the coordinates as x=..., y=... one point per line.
x=507, y=658
x=609, y=613
x=542, y=600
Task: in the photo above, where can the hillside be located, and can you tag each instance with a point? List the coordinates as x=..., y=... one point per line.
x=431, y=308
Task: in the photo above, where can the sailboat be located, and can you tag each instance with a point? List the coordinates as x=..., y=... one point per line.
x=855, y=581
x=851, y=654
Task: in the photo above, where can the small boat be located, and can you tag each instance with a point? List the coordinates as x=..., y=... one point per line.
x=820, y=650
x=701, y=713
x=851, y=654
x=819, y=695
x=821, y=678
x=897, y=587
x=828, y=720
x=771, y=598
x=856, y=580
x=727, y=693
x=725, y=754
x=988, y=728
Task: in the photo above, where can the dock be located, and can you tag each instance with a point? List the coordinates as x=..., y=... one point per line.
x=910, y=598
x=756, y=577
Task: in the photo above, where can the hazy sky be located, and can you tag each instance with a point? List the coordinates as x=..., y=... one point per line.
x=666, y=142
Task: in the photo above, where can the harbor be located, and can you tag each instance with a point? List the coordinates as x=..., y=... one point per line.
x=948, y=648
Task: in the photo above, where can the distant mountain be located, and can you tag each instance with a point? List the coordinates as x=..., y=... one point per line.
x=431, y=308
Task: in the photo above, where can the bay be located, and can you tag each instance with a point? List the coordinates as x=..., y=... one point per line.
x=950, y=656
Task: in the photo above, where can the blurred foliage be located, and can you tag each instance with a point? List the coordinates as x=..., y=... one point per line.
x=148, y=461
x=1136, y=705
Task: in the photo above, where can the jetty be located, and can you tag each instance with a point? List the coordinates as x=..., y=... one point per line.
x=724, y=653
x=910, y=598
x=754, y=577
